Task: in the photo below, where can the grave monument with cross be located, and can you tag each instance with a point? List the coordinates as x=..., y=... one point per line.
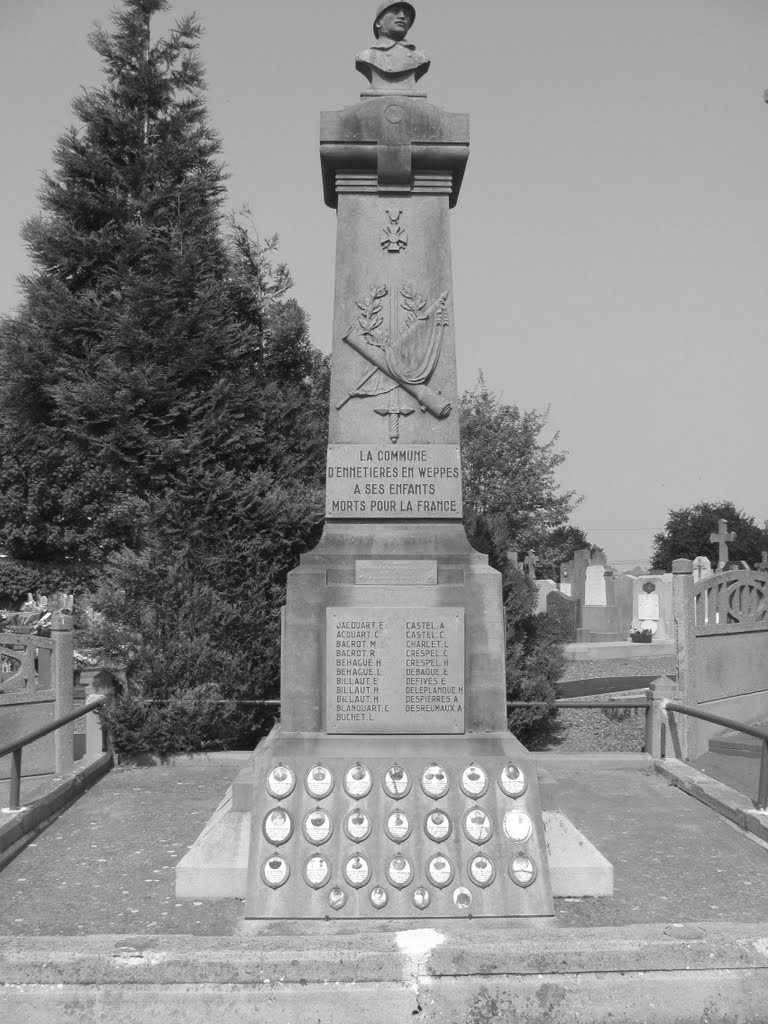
x=392, y=787
x=722, y=538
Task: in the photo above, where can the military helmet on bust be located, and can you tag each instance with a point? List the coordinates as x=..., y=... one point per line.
x=385, y=7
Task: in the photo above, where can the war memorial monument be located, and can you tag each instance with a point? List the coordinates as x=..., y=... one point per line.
x=392, y=787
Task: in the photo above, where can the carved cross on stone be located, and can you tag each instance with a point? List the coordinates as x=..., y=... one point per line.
x=764, y=563
x=722, y=538
x=530, y=563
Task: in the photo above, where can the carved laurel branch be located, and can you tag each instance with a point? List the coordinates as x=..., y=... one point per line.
x=371, y=318
x=414, y=304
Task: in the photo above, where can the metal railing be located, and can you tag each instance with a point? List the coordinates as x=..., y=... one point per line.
x=17, y=746
x=748, y=730
x=580, y=704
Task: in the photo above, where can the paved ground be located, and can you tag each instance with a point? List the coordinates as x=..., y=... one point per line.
x=106, y=865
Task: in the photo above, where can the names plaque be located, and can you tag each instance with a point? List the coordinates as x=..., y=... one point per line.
x=395, y=670
x=404, y=481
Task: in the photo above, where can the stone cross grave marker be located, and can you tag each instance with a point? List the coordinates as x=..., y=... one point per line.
x=722, y=538
x=530, y=563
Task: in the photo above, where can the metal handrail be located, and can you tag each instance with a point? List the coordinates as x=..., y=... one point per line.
x=579, y=704
x=16, y=747
x=748, y=730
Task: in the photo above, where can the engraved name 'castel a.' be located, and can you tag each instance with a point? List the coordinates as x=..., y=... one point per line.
x=403, y=357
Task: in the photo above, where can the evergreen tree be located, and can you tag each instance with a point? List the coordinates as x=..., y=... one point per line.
x=164, y=413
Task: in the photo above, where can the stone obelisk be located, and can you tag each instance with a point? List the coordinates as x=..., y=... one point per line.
x=392, y=787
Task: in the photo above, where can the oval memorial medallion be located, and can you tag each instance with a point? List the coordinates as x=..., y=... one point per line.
x=358, y=781
x=421, y=898
x=434, y=781
x=396, y=782
x=478, y=827
x=439, y=871
x=275, y=872
x=400, y=872
x=317, y=871
x=512, y=780
x=398, y=827
x=357, y=871
x=378, y=897
x=317, y=827
x=277, y=827
x=518, y=826
x=462, y=898
x=280, y=781
x=474, y=781
x=438, y=826
x=522, y=870
x=336, y=898
x=319, y=782
x=481, y=870
x=357, y=826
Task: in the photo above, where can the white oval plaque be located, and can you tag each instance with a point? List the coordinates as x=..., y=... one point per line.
x=398, y=826
x=396, y=782
x=478, y=826
x=518, y=826
x=522, y=870
x=358, y=781
x=378, y=897
x=357, y=825
x=317, y=871
x=512, y=780
x=462, y=898
x=337, y=898
x=400, y=872
x=438, y=826
x=439, y=871
x=434, y=781
x=280, y=781
x=275, y=872
x=277, y=827
x=421, y=898
x=317, y=827
x=481, y=870
x=319, y=782
x=474, y=781
x=357, y=871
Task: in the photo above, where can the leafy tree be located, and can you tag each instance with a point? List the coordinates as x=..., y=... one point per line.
x=512, y=502
x=511, y=495
x=687, y=533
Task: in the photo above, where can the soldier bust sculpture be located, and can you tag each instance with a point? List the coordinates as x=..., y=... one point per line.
x=392, y=64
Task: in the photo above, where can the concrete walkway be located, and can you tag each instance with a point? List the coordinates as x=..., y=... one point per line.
x=106, y=866
x=90, y=928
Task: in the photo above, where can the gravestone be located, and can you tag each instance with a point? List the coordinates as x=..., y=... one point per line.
x=566, y=610
x=652, y=599
x=722, y=538
x=392, y=787
x=599, y=614
x=543, y=589
x=623, y=586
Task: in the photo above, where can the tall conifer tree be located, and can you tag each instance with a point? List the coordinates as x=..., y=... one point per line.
x=162, y=408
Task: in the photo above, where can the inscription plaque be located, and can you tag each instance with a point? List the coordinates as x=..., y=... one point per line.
x=395, y=572
x=407, y=481
x=395, y=670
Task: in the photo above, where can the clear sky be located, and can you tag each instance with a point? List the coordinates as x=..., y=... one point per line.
x=611, y=241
